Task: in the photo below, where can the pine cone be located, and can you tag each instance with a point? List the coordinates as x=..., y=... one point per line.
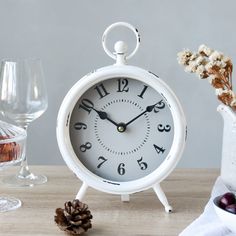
x=75, y=219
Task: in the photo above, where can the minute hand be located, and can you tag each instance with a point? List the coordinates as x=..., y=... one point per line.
x=148, y=109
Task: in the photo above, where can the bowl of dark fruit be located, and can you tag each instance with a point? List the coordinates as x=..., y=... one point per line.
x=225, y=207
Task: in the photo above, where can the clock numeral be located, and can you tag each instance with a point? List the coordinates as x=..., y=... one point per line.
x=160, y=105
x=121, y=169
x=123, y=85
x=103, y=160
x=80, y=125
x=143, y=165
x=87, y=105
x=143, y=91
x=101, y=91
x=163, y=128
x=158, y=149
x=85, y=147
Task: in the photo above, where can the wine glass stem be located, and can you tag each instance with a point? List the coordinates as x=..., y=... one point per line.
x=24, y=170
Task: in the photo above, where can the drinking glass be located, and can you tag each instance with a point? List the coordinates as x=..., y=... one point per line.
x=23, y=98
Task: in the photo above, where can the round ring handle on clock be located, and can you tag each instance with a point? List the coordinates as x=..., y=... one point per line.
x=118, y=24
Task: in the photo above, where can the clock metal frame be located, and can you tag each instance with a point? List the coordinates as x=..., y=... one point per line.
x=89, y=81
x=120, y=69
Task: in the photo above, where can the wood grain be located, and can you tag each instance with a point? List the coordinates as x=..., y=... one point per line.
x=188, y=191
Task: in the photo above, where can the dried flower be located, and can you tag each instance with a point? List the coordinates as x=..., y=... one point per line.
x=233, y=102
x=184, y=57
x=201, y=71
x=226, y=96
x=191, y=67
x=214, y=66
x=204, y=50
x=226, y=59
x=200, y=60
x=216, y=56
x=217, y=83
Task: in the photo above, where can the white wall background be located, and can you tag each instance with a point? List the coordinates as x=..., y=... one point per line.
x=66, y=35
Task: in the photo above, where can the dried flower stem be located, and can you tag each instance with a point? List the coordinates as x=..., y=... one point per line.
x=211, y=64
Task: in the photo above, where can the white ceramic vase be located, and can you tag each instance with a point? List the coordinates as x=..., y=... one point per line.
x=228, y=162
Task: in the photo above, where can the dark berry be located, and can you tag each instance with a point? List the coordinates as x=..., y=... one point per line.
x=226, y=200
x=231, y=208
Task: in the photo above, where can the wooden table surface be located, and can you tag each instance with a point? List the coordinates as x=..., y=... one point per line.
x=187, y=190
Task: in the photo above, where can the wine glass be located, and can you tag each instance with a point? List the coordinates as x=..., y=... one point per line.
x=23, y=98
x=12, y=148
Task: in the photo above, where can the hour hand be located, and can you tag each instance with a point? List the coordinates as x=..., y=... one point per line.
x=103, y=115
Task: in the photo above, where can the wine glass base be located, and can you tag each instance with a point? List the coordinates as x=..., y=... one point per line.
x=28, y=181
x=9, y=204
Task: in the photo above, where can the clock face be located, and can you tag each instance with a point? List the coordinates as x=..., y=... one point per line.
x=121, y=129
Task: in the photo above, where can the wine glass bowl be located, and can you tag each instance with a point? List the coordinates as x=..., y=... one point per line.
x=12, y=149
x=23, y=93
x=23, y=98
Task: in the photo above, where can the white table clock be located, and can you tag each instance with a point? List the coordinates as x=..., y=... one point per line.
x=121, y=129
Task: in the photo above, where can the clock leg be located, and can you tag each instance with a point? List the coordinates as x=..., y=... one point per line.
x=125, y=197
x=162, y=197
x=82, y=191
